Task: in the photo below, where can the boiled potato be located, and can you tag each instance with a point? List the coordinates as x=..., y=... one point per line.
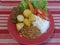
x=27, y=22
x=19, y=26
x=27, y=13
x=20, y=18
x=32, y=18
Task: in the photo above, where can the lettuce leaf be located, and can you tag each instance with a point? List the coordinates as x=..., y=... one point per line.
x=36, y=4
x=23, y=4
x=40, y=4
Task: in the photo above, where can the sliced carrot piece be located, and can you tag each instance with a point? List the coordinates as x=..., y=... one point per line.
x=31, y=6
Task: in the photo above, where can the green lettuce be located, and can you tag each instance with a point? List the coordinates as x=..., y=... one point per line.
x=23, y=4
x=36, y=4
x=40, y=4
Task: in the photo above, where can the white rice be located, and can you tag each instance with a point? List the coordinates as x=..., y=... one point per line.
x=42, y=24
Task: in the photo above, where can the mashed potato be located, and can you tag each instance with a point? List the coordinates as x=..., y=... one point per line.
x=42, y=24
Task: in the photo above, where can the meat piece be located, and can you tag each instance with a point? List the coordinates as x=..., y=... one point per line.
x=15, y=12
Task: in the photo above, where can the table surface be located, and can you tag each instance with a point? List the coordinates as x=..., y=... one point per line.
x=5, y=9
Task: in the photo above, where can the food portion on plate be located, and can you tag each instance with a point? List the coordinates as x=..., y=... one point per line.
x=31, y=18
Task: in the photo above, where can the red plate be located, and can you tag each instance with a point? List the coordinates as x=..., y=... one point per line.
x=14, y=33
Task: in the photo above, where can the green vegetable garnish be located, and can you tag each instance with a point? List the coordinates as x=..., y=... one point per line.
x=23, y=4
x=40, y=4
x=36, y=4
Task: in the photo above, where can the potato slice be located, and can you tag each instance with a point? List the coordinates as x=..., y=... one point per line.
x=32, y=18
x=27, y=22
x=19, y=26
x=27, y=13
x=20, y=18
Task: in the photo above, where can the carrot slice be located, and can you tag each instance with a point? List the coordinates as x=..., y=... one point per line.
x=31, y=6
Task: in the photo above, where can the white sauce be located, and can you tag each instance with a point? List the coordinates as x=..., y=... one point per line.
x=42, y=24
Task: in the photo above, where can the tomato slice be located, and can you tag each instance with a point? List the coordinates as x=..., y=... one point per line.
x=41, y=13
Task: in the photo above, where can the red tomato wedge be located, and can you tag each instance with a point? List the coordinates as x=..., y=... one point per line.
x=41, y=13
